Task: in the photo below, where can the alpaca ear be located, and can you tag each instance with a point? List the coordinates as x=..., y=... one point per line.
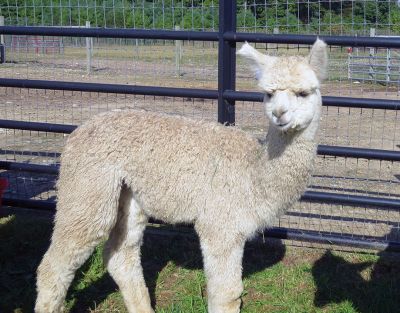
x=318, y=59
x=258, y=60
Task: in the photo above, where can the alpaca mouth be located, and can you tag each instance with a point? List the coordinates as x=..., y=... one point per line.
x=283, y=122
x=284, y=126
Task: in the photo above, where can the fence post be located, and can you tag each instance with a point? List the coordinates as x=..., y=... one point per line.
x=226, y=61
x=2, y=45
x=388, y=64
x=275, y=31
x=88, y=51
x=349, y=60
x=371, y=71
x=178, y=54
x=2, y=24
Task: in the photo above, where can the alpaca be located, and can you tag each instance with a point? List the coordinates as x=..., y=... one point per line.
x=121, y=168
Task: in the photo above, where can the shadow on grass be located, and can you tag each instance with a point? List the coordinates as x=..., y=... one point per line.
x=23, y=241
x=372, y=286
x=183, y=251
x=377, y=290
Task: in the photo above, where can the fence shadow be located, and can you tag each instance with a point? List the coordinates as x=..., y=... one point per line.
x=183, y=251
x=370, y=286
x=23, y=241
x=369, y=290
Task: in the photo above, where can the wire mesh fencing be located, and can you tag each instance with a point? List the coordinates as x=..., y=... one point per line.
x=168, y=63
x=354, y=17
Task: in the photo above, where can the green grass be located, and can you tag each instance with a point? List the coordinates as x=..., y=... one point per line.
x=276, y=278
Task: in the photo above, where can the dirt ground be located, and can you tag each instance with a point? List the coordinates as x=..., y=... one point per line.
x=155, y=66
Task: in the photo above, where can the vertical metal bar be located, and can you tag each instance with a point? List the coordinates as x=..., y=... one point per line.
x=388, y=64
x=178, y=54
x=2, y=54
x=88, y=52
x=2, y=45
x=372, y=62
x=226, y=61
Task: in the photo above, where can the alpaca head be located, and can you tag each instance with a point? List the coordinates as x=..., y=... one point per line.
x=290, y=85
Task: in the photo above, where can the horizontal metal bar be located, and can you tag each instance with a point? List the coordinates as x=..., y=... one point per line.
x=341, y=218
x=110, y=88
x=314, y=196
x=109, y=33
x=278, y=233
x=244, y=96
x=37, y=126
x=372, y=57
x=352, y=200
x=326, y=238
x=383, y=81
x=348, y=41
x=366, y=66
x=364, y=103
x=360, y=153
x=352, y=41
x=29, y=204
x=28, y=167
x=338, y=151
x=29, y=153
x=293, y=234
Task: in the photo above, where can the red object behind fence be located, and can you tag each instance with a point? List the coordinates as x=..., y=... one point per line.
x=3, y=187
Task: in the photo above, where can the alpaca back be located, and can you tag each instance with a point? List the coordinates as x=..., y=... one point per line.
x=177, y=168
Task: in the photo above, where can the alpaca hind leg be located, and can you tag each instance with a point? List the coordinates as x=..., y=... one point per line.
x=86, y=213
x=223, y=269
x=56, y=272
x=122, y=255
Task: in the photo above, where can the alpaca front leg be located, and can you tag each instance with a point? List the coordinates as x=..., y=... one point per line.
x=223, y=269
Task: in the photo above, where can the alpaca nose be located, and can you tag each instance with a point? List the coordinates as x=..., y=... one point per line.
x=278, y=112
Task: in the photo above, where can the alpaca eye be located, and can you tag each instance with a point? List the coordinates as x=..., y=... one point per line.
x=303, y=94
x=269, y=94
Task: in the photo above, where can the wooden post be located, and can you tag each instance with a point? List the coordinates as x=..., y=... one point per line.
x=2, y=24
x=88, y=52
x=178, y=54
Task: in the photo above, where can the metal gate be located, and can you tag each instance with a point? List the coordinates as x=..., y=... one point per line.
x=226, y=96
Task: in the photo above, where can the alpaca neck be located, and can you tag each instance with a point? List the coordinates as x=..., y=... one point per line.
x=287, y=166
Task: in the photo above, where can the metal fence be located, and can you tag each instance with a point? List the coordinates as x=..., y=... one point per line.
x=381, y=66
x=353, y=197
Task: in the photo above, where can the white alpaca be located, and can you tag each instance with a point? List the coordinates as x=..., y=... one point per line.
x=121, y=168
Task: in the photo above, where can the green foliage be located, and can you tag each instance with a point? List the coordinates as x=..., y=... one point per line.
x=395, y=19
x=336, y=17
